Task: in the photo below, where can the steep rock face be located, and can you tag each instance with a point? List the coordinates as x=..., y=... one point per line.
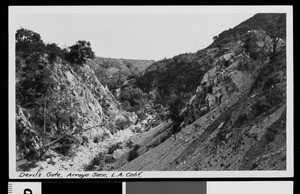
x=245, y=129
x=96, y=102
x=233, y=71
x=25, y=133
x=83, y=107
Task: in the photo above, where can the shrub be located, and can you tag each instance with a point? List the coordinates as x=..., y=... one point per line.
x=85, y=140
x=126, y=106
x=109, y=159
x=254, y=55
x=132, y=95
x=54, y=51
x=174, y=109
x=79, y=52
x=98, y=159
x=141, y=115
x=65, y=144
x=210, y=89
x=90, y=167
x=129, y=144
x=174, y=113
x=111, y=150
x=29, y=42
x=32, y=155
x=121, y=124
x=133, y=153
x=96, y=139
x=114, y=147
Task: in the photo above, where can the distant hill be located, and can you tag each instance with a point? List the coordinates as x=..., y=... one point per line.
x=114, y=72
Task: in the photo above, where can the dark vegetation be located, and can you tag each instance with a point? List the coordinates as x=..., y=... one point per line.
x=115, y=72
x=114, y=147
x=174, y=113
x=33, y=76
x=51, y=117
x=179, y=76
x=79, y=52
x=96, y=163
x=132, y=99
x=133, y=153
x=266, y=83
x=29, y=44
x=120, y=76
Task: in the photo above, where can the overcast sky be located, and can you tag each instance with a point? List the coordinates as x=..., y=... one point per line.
x=131, y=35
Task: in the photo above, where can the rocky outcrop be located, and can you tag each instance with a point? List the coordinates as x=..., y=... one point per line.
x=232, y=72
x=236, y=118
x=27, y=139
x=90, y=111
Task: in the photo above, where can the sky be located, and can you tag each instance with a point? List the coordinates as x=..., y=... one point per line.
x=131, y=35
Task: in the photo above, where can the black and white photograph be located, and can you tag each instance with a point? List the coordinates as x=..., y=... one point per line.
x=196, y=90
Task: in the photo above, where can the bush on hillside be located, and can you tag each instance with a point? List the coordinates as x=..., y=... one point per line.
x=132, y=99
x=28, y=42
x=98, y=159
x=54, y=52
x=133, y=153
x=177, y=74
x=174, y=109
x=114, y=147
x=51, y=114
x=79, y=52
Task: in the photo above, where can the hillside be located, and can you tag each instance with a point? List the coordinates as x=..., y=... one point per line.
x=273, y=24
x=64, y=115
x=114, y=72
x=235, y=118
x=182, y=73
x=221, y=108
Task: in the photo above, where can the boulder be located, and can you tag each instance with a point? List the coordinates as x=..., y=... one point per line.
x=228, y=56
x=211, y=100
x=118, y=153
x=259, y=42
